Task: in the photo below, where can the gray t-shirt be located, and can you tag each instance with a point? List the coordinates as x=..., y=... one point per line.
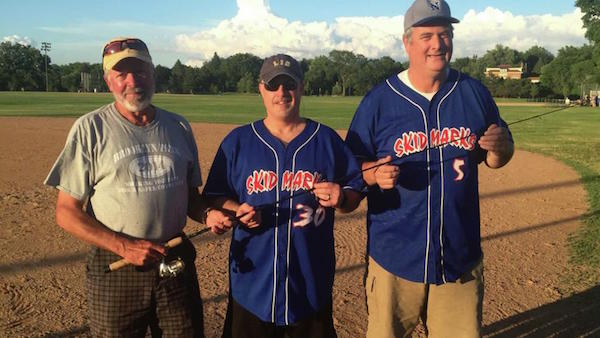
x=136, y=178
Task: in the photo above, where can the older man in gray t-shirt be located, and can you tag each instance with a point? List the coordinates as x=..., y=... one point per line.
x=136, y=167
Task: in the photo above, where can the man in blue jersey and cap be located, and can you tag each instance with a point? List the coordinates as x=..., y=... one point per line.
x=426, y=130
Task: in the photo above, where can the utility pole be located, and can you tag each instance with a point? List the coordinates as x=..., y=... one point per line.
x=46, y=46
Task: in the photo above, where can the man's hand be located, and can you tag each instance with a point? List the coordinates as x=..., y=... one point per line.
x=248, y=216
x=218, y=222
x=329, y=194
x=141, y=252
x=496, y=140
x=385, y=175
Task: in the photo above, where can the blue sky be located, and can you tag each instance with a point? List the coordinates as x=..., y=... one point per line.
x=193, y=30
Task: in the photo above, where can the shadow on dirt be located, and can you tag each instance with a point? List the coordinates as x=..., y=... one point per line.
x=574, y=316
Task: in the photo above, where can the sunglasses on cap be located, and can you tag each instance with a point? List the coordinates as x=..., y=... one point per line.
x=287, y=83
x=121, y=45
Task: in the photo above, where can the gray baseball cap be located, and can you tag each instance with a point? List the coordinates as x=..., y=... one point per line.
x=280, y=64
x=424, y=11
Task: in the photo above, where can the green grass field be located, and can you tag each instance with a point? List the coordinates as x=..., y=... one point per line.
x=229, y=108
x=571, y=135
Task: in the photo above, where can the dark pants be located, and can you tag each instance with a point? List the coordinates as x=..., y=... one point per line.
x=241, y=323
x=124, y=303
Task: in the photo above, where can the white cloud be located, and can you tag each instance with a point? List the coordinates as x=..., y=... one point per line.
x=25, y=41
x=256, y=29
x=195, y=63
x=479, y=32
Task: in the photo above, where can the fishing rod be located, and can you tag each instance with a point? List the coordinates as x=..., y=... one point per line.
x=345, y=178
x=178, y=240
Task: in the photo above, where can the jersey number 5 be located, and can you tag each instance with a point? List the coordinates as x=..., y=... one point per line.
x=458, y=163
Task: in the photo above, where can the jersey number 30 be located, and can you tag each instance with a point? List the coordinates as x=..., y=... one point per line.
x=308, y=214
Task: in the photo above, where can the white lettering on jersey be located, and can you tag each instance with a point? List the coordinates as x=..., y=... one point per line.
x=306, y=215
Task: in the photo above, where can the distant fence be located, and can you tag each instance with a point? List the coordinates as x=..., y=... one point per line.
x=546, y=100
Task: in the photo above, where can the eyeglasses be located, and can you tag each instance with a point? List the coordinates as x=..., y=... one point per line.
x=121, y=45
x=288, y=84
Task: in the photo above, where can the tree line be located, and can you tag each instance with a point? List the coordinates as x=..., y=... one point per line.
x=570, y=73
x=338, y=73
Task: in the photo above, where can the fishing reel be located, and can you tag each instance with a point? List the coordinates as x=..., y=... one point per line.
x=171, y=269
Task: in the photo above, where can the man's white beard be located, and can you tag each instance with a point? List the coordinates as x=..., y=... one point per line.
x=136, y=106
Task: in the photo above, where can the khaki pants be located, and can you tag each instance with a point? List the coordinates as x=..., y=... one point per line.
x=448, y=310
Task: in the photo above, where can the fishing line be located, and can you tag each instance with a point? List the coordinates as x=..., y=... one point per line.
x=117, y=265
x=351, y=175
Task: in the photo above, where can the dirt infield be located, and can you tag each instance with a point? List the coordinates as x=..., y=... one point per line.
x=528, y=210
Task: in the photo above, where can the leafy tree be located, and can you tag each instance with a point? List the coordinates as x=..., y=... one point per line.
x=70, y=78
x=161, y=78
x=320, y=77
x=237, y=66
x=215, y=74
x=591, y=18
x=524, y=87
x=535, y=58
x=534, y=90
x=97, y=77
x=337, y=89
x=191, y=83
x=569, y=70
x=54, y=72
x=247, y=84
x=346, y=65
x=371, y=72
x=176, y=78
x=501, y=55
x=21, y=67
x=472, y=66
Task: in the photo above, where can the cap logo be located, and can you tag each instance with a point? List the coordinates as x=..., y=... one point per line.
x=281, y=62
x=435, y=5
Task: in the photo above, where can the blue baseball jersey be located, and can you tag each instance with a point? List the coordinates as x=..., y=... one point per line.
x=283, y=270
x=426, y=229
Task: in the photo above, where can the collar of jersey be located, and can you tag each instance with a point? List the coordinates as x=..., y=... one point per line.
x=277, y=144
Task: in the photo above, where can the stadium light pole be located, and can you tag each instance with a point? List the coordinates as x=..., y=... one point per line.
x=46, y=46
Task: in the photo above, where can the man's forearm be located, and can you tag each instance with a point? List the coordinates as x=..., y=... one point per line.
x=197, y=206
x=225, y=204
x=351, y=201
x=369, y=175
x=81, y=225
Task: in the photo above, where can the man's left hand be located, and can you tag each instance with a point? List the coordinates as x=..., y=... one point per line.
x=495, y=139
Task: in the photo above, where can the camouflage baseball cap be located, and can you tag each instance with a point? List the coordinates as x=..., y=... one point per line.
x=424, y=11
x=280, y=64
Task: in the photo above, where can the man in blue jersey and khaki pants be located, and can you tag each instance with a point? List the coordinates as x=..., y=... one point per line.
x=431, y=126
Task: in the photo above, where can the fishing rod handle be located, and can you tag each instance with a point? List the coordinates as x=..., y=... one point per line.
x=123, y=262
